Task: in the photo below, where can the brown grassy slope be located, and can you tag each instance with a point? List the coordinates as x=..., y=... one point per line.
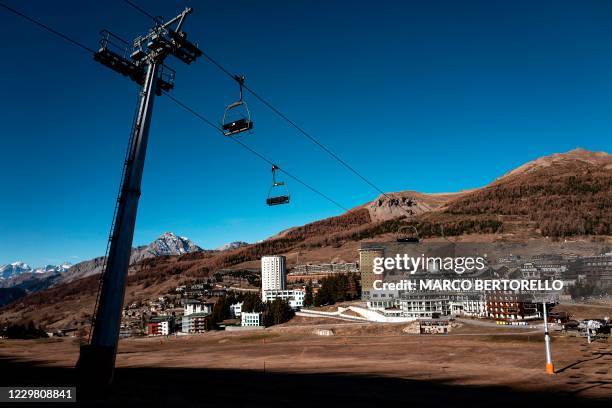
x=564, y=194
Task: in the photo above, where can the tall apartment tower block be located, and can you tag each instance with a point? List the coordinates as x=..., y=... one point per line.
x=366, y=269
x=273, y=273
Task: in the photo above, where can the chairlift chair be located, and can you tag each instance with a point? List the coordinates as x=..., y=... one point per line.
x=404, y=236
x=273, y=198
x=237, y=117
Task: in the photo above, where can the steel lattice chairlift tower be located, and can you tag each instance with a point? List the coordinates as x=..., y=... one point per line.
x=142, y=62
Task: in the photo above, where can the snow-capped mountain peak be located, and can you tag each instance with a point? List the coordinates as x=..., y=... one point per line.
x=17, y=268
x=13, y=269
x=166, y=244
x=20, y=264
x=170, y=244
x=53, y=268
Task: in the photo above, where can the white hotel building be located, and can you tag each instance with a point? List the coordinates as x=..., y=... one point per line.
x=250, y=319
x=295, y=297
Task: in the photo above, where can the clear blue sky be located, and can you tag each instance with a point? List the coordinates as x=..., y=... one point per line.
x=431, y=96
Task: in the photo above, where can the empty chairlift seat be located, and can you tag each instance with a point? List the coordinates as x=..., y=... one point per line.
x=237, y=117
x=237, y=126
x=408, y=233
x=278, y=193
x=283, y=199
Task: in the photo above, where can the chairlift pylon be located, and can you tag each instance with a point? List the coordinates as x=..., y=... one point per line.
x=237, y=117
x=274, y=199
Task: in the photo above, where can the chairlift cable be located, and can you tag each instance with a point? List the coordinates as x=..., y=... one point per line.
x=240, y=80
x=46, y=27
x=185, y=107
x=256, y=153
x=298, y=127
x=140, y=9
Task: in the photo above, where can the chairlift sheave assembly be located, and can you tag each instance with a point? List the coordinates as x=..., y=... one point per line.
x=237, y=117
x=275, y=194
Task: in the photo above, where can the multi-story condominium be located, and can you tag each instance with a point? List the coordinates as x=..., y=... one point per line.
x=191, y=306
x=530, y=271
x=273, y=273
x=125, y=332
x=295, y=297
x=327, y=268
x=382, y=299
x=597, y=269
x=317, y=272
x=509, y=259
x=366, y=267
x=552, y=268
x=194, y=323
x=160, y=326
x=471, y=305
x=539, y=258
x=236, y=309
x=425, y=305
x=251, y=319
x=510, y=305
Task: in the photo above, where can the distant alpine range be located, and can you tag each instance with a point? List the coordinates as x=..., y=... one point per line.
x=31, y=279
x=16, y=268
